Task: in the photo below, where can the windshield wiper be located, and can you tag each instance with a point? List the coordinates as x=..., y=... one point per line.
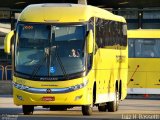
x=38, y=66
x=53, y=28
x=60, y=63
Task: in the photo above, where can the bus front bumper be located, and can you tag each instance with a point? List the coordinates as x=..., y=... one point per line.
x=78, y=97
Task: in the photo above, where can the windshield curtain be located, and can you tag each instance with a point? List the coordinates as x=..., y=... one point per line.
x=48, y=50
x=144, y=48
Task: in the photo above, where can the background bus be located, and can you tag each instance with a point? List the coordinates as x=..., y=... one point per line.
x=144, y=62
x=45, y=72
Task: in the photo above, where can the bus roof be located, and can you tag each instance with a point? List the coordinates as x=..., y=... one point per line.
x=55, y=13
x=144, y=33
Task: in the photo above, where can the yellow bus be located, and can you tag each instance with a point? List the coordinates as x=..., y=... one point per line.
x=144, y=54
x=67, y=55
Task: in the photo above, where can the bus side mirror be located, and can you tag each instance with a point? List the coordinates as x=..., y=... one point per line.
x=90, y=42
x=7, y=42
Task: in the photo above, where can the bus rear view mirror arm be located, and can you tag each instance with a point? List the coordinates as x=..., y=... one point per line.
x=7, y=42
x=90, y=42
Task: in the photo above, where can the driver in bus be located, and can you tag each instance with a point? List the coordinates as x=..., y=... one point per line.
x=74, y=53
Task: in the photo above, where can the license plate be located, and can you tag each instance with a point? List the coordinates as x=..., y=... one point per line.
x=48, y=98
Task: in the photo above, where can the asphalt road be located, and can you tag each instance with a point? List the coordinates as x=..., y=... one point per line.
x=128, y=109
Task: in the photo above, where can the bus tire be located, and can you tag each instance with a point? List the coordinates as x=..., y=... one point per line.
x=28, y=109
x=113, y=106
x=102, y=108
x=87, y=109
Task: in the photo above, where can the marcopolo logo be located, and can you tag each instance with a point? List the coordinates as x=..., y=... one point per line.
x=48, y=91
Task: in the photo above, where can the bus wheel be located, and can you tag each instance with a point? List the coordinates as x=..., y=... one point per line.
x=28, y=109
x=87, y=109
x=102, y=108
x=113, y=106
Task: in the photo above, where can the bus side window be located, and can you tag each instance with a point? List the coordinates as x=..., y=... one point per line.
x=106, y=32
x=124, y=30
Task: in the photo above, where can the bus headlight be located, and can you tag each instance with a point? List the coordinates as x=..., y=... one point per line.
x=54, y=90
x=20, y=86
x=79, y=86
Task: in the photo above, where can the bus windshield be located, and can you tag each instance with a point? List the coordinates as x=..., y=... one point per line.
x=49, y=50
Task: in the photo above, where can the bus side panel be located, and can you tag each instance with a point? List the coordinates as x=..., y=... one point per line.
x=146, y=78
x=153, y=82
x=107, y=72
x=139, y=76
x=124, y=73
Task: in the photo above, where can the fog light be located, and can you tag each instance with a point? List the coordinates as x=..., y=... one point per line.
x=78, y=97
x=19, y=97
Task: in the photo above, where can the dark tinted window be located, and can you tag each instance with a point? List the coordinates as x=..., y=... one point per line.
x=110, y=33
